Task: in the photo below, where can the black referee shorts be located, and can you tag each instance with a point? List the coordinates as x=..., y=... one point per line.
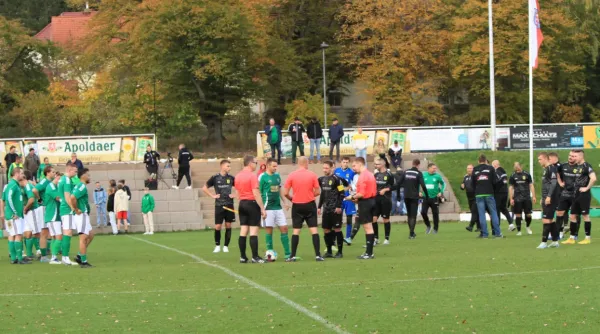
x=249, y=213
x=366, y=210
x=224, y=216
x=383, y=207
x=304, y=212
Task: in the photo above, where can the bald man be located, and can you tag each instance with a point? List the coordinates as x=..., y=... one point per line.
x=305, y=187
x=501, y=194
x=520, y=194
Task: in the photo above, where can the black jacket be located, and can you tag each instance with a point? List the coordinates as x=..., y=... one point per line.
x=314, y=130
x=296, y=136
x=151, y=158
x=484, y=180
x=411, y=180
x=185, y=157
x=502, y=181
x=9, y=158
x=469, y=187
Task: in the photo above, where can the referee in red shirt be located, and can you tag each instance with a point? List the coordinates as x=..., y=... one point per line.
x=305, y=187
x=250, y=209
x=366, y=190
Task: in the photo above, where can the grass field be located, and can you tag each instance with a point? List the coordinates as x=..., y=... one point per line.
x=453, y=165
x=450, y=282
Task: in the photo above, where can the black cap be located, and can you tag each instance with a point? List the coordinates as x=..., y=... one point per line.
x=296, y=118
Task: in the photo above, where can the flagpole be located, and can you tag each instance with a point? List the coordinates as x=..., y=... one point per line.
x=492, y=75
x=531, y=64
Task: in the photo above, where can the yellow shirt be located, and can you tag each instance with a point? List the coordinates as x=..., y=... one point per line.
x=360, y=141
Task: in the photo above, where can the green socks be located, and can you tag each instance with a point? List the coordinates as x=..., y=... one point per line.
x=36, y=243
x=269, y=238
x=83, y=258
x=12, y=250
x=19, y=250
x=285, y=241
x=66, y=245
x=29, y=247
x=44, y=251
x=56, y=244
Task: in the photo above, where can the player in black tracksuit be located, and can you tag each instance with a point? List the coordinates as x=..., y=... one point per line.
x=333, y=190
x=383, y=201
x=549, y=201
x=501, y=193
x=467, y=186
x=521, y=188
x=411, y=180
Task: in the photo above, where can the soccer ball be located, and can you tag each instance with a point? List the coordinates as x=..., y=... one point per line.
x=271, y=256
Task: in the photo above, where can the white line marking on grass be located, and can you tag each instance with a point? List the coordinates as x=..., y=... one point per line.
x=254, y=285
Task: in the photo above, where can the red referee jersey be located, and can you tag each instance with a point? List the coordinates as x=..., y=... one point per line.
x=366, y=184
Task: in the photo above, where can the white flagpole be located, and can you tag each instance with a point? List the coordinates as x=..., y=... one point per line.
x=492, y=75
x=531, y=32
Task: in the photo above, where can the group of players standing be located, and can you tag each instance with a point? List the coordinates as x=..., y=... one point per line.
x=565, y=189
x=44, y=215
x=353, y=190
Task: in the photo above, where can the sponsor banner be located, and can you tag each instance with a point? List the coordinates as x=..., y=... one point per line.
x=140, y=146
x=591, y=136
x=17, y=144
x=401, y=137
x=481, y=139
x=88, y=150
x=28, y=144
x=548, y=136
x=438, y=140
x=346, y=144
x=127, y=149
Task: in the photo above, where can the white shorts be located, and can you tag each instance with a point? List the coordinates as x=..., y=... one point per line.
x=55, y=228
x=32, y=224
x=67, y=222
x=15, y=227
x=275, y=218
x=82, y=222
x=39, y=214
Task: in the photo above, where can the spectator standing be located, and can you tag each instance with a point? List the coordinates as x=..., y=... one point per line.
x=296, y=130
x=273, y=132
x=9, y=158
x=76, y=162
x=32, y=163
x=147, y=210
x=315, y=133
x=359, y=143
x=395, y=153
x=100, y=202
x=40, y=173
x=128, y=191
x=122, y=207
x=185, y=156
x=336, y=132
x=151, y=159
x=110, y=206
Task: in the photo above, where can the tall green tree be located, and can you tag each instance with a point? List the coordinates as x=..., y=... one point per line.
x=34, y=15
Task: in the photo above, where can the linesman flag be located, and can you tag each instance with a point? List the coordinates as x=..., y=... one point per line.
x=535, y=32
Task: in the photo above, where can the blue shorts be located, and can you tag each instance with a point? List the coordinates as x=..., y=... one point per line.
x=349, y=208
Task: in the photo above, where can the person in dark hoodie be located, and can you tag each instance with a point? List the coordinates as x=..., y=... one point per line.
x=297, y=130
x=273, y=132
x=336, y=132
x=315, y=133
x=413, y=183
x=484, y=183
x=185, y=156
x=501, y=194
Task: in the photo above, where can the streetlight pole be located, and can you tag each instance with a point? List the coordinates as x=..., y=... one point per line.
x=154, y=103
x=323, y=47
